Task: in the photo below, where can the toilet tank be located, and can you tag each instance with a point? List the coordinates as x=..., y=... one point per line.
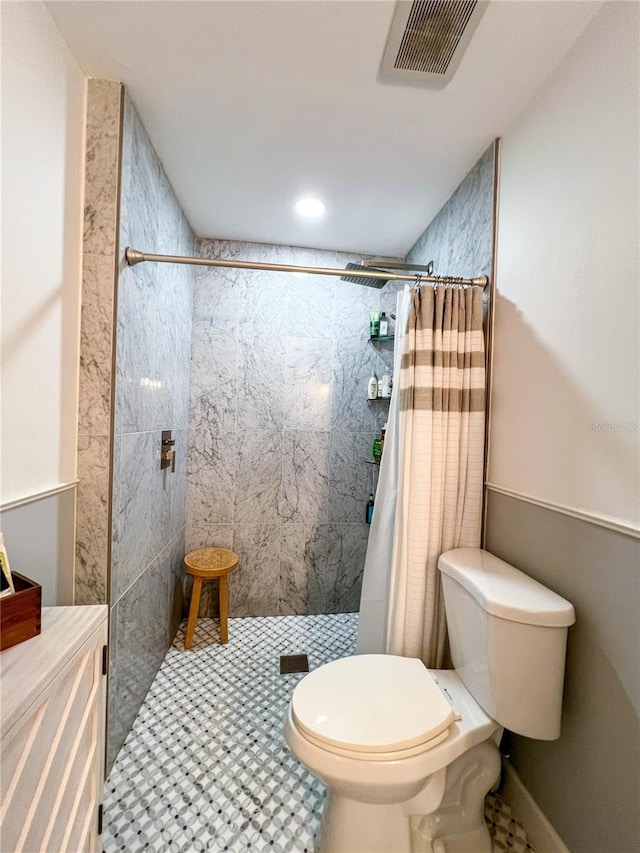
x=508, y=638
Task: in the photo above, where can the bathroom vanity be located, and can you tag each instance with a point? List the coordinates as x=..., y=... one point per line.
x=52, y=698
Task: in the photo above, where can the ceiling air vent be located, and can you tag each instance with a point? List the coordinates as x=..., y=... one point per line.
x=428, y=39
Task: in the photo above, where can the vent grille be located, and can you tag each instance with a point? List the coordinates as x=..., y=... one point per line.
x=433, y=33
x=428, y=39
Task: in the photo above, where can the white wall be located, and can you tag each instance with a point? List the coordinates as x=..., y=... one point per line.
x=566, y=357
x=565, y=403
x=42, y=172
x=41, y=544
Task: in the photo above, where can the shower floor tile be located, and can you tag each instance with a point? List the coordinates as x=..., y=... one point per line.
x=206, y=767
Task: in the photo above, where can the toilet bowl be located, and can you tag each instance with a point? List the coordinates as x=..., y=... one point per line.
x=381, y=731
x=408, y=754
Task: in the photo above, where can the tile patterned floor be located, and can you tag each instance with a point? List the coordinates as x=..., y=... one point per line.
x=506, y=832
x=206, y=767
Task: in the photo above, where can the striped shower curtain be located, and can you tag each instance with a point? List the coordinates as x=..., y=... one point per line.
x=441, y=428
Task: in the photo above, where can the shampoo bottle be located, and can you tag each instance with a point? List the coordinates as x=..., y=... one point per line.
x=384, y=325
x=372, y=388
x=369, y=509
x=374, y=324
x=385, y=385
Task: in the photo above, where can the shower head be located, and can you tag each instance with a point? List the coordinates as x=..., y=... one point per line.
x=358, y=279
x=387, y=266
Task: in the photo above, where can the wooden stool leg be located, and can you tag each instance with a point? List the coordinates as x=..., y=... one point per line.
x=223, y=593
x=193, y=612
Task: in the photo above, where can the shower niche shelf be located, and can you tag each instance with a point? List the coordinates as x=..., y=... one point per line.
x=380, y=338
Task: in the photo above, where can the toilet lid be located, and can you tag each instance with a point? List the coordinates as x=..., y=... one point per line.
x=371, y=703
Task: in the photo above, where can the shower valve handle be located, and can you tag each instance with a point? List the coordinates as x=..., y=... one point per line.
x=167, y=456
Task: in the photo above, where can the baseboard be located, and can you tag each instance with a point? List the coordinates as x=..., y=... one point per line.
x=541, y=834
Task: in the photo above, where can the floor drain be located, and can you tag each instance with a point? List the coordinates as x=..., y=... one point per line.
x=293, y=663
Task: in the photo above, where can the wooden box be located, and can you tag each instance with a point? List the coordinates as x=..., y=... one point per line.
x=20, y=613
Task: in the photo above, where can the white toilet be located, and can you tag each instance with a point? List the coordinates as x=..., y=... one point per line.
x=408, y=754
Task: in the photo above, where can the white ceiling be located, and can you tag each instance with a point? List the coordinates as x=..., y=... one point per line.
x=251, y=104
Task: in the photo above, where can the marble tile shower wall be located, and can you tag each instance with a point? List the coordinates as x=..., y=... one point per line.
x=459, y=239
x=280, y=428
x=103, y=127
x=153, y=346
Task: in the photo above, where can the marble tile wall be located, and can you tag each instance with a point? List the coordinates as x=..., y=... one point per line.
x=459, y=239
x=153, y=348
x=103, y=130
x=280, y=428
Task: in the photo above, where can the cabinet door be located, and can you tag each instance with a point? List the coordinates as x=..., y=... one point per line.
x=53, y=759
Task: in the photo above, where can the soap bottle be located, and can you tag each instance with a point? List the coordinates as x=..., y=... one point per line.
x=374, y=324
x=376, y=450
x=384, y=325
x=385, y=385
x=372, y=388
x=369, y=509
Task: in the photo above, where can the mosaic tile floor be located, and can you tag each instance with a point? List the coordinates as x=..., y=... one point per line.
x=206, y=767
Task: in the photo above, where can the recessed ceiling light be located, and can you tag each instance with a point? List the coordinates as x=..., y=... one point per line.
x=310, y=207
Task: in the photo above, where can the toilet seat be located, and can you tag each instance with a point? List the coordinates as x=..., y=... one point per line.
x=372, y=707
x=396, y=755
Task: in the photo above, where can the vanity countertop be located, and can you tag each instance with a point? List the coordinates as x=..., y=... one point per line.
x=27, y=669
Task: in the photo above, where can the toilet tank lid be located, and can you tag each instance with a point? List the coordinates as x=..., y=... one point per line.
x=504, y=591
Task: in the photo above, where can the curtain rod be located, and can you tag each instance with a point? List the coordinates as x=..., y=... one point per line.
x=133, y=257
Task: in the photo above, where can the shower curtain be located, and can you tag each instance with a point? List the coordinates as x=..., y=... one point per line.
x=374, y=600
x=438, y=451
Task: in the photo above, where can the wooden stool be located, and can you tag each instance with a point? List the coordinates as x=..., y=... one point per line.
x=205, y=564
